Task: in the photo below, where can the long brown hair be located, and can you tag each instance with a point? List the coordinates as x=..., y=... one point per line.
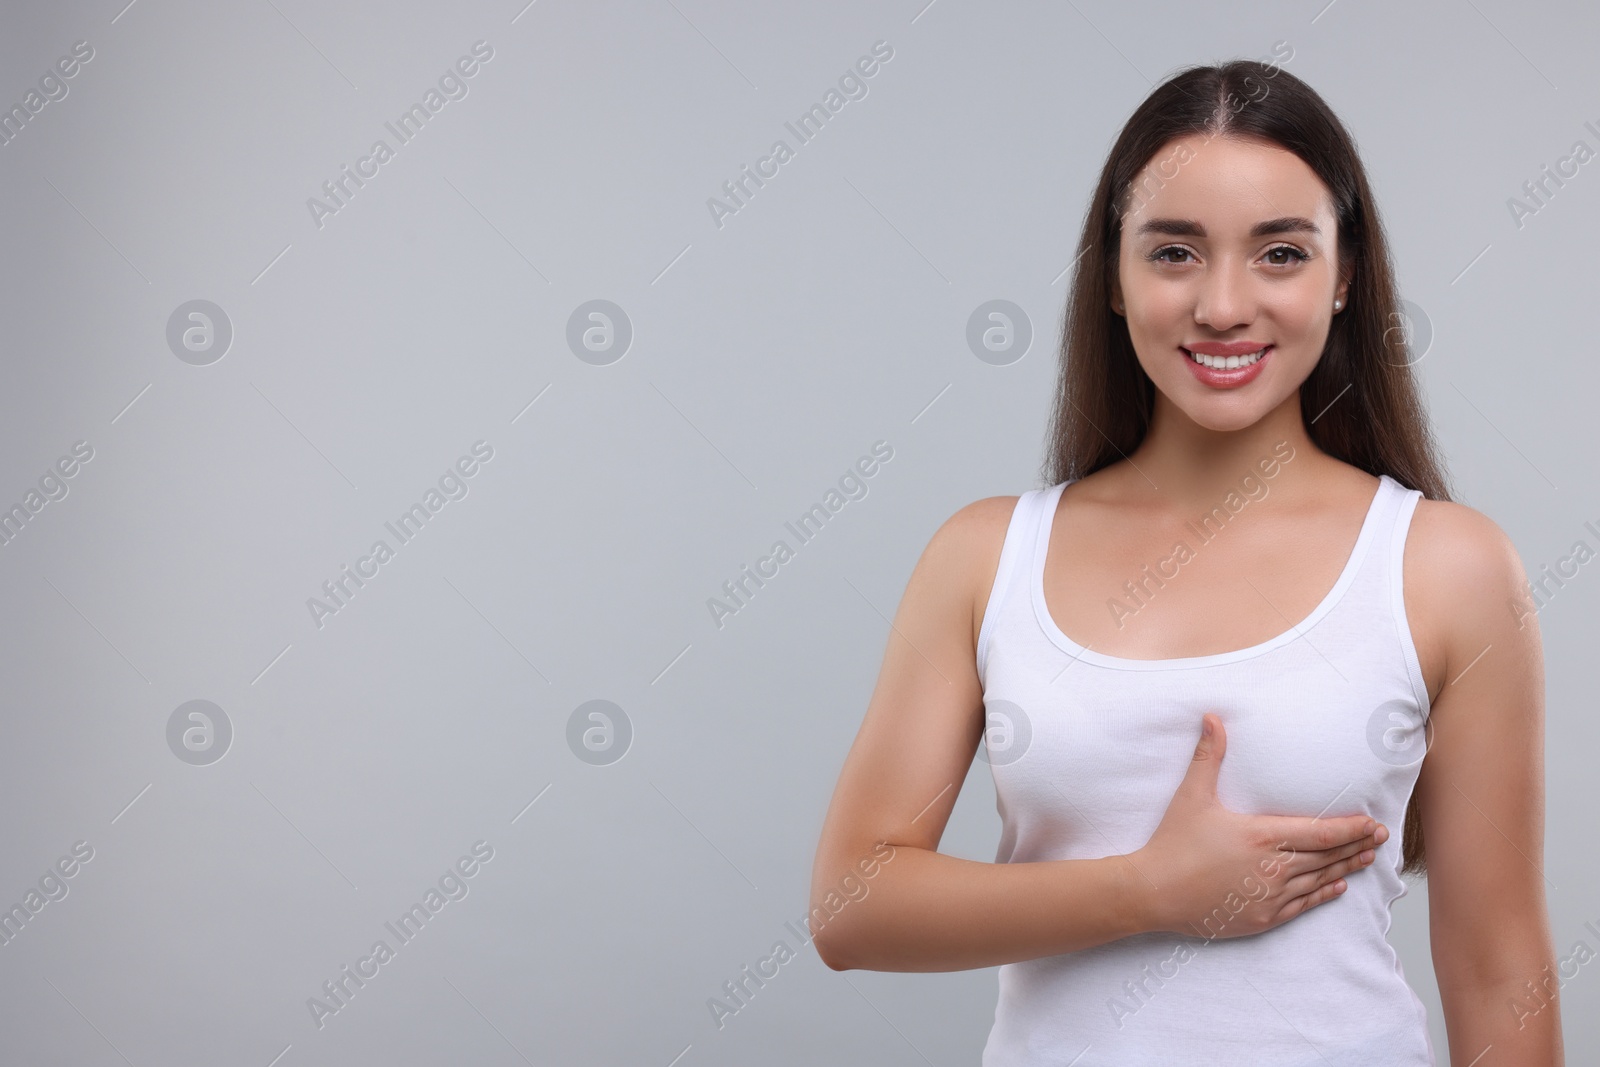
x=1360, y=404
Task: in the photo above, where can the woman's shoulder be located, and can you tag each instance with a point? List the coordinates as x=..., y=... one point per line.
x=981, y=518
x=975, y=534
x=1464, y=584
x=1451, y=541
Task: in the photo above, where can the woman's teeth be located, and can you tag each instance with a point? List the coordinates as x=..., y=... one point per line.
x=1226, y=362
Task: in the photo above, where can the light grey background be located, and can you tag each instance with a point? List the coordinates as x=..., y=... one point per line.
x=768, y=355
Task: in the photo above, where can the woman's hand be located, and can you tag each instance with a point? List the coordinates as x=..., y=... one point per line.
x=1212, y=872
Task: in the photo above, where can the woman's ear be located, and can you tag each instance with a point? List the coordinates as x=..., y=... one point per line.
x=1116, y=297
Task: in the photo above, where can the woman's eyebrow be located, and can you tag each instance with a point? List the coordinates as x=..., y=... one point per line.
x=1191, y=228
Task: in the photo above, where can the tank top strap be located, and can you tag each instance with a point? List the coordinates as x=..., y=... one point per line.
x=1014, y=570
x=1385, y=574
x=1379, y=568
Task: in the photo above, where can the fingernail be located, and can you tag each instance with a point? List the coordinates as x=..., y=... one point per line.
x=1367, y=856
x=1382, y=835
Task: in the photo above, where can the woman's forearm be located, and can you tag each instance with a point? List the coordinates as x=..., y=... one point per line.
x=1519, y=1026
x=927, y=911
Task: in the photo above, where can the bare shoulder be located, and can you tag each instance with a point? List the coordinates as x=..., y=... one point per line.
x=981, y=521
x=1459, y=553
x=1465, y=587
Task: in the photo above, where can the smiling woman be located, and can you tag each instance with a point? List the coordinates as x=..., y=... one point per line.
x=1238, y=778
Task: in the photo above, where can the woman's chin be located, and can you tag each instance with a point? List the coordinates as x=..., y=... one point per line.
x=1223, y=416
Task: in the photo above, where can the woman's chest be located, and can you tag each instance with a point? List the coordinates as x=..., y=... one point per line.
x=1092, y=753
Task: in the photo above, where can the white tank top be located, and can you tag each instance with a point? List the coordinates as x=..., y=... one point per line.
x=1087, y=749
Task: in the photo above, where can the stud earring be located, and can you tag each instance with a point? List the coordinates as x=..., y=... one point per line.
x=1337, y=304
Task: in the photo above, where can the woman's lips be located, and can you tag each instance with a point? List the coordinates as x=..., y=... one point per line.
x=1226, y=379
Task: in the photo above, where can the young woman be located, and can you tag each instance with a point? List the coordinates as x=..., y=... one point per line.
x=1233, y=668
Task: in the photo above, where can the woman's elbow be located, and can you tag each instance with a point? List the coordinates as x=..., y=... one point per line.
x=832, y=948
x=828, y=952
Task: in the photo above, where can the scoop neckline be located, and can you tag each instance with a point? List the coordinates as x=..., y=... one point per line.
x=1041, y=548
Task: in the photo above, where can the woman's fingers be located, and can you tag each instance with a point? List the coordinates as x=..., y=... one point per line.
x=1301, y=905
x=1297, y=833
x=1321, y=878
x=1301, y=862
x=1317, y=876
x=1298, y=861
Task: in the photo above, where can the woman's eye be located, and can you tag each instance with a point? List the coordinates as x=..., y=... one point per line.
x=1288, y=250
x=1160, y=254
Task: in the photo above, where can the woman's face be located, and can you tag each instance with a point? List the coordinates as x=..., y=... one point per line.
x=1228, y=240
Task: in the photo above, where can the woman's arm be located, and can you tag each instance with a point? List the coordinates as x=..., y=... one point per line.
x=1481, y=793
x=922, y=910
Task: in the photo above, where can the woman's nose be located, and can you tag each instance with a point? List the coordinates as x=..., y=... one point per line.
x=1223, y=299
